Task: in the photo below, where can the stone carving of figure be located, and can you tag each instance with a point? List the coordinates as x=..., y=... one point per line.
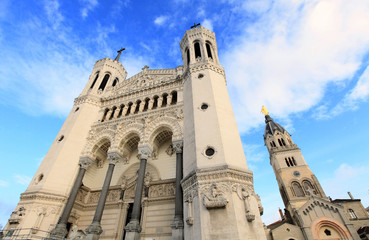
x=246, y=198
x=214, y=198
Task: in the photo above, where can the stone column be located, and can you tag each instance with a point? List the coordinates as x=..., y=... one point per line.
x=105, y=116
x=151, y=103
x=124, y=112
x=133, y=228
x=133, y=108
x=94, y=230
x=160, y=101
x=169, y=99
x=142, y=105
x=177, y=224
x=60, y=229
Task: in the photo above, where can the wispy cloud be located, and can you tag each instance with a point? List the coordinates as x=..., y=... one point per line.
x=53, y=13
x=208, y=24
x=288, y=56
x=22, y=179
x=88, y=6
x=3, y=183
x=345, y=179
x=161, y=20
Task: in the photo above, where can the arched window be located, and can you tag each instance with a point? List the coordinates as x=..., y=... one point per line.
x=294, y=161
x=121, y=110
x=197, y=50
x=308, y=186
x=271, y=145
x=129, y=108
x=290, y=161
x=104, y=82
x=208, y=49
x=352, y=214
x=188, y=56
x=115, y=82
x=155, y=104
x=280, y=143
x=288, y=164
x=283, y=142
x=137, y=106
x=274, y=144
x=146, y=106
x=174, y=97
x=93, y=83
x=104, y=116
x=113, y=112
x=297, y=189
x=165, y=100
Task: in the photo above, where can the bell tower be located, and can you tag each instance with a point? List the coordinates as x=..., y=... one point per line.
x=216, y=181
x=295, y=179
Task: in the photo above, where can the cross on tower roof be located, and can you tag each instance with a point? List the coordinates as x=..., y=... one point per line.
x=119, y=53
x=195, y=25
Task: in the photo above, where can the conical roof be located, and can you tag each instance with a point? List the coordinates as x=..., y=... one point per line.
x=272, y=126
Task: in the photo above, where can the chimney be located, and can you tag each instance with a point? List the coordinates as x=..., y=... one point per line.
x=350, y=195
x=281, y=213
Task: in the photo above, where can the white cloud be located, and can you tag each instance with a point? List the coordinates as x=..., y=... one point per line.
x=345, y=179
x=3, y=183
x=22, y=179
x=52, y=12
x=255, y=153
x=286, y=59
x=161, y=20
x=207, y=24
x=89, y=5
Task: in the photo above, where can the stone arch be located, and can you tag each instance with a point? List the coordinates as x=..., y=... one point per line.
x=336, y=228
x=125, y=130
x=129, y=176
x=160, y=123
x=100, y=136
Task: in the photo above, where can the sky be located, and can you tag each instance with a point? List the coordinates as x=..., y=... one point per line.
x=306, y=61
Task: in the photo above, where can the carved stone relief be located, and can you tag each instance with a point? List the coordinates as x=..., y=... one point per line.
x=162, y=190
x=214, y=196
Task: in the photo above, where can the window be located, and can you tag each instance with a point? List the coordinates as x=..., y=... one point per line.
x=197, y=50
x=273, y=144
x=129, y=108
x=327, y=232
x=104, y=82
x=112, y=114
x=93, y=83
x=137, y=106
x=209, y=151
x=283, y=142
x=290, y=161
x=352, y=214
x=146, y=106
x=121, y=110
x=104, y=116
x=155, y=104
x=115, y=82
x=188, y=56
x=288, y=164
x=174, y=97
x=308, y=187
x=294, y=161
x=208, y=49
x=280, y=143
x=297, y=189
x=165, y=100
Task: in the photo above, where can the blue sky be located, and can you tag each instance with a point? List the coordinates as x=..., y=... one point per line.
x=307, y=61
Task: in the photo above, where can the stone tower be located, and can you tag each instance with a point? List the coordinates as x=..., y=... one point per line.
x=220, y=202
x=309, y=214
x=154, y=156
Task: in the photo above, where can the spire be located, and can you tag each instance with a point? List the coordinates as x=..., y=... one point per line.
x=270, y=126
x=119, y=53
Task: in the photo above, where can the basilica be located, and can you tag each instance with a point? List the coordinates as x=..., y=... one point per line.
x=159, y=156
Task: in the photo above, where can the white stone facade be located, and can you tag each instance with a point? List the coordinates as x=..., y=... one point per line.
x=115, y=124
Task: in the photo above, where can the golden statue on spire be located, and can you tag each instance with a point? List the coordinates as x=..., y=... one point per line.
x=264, y=110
